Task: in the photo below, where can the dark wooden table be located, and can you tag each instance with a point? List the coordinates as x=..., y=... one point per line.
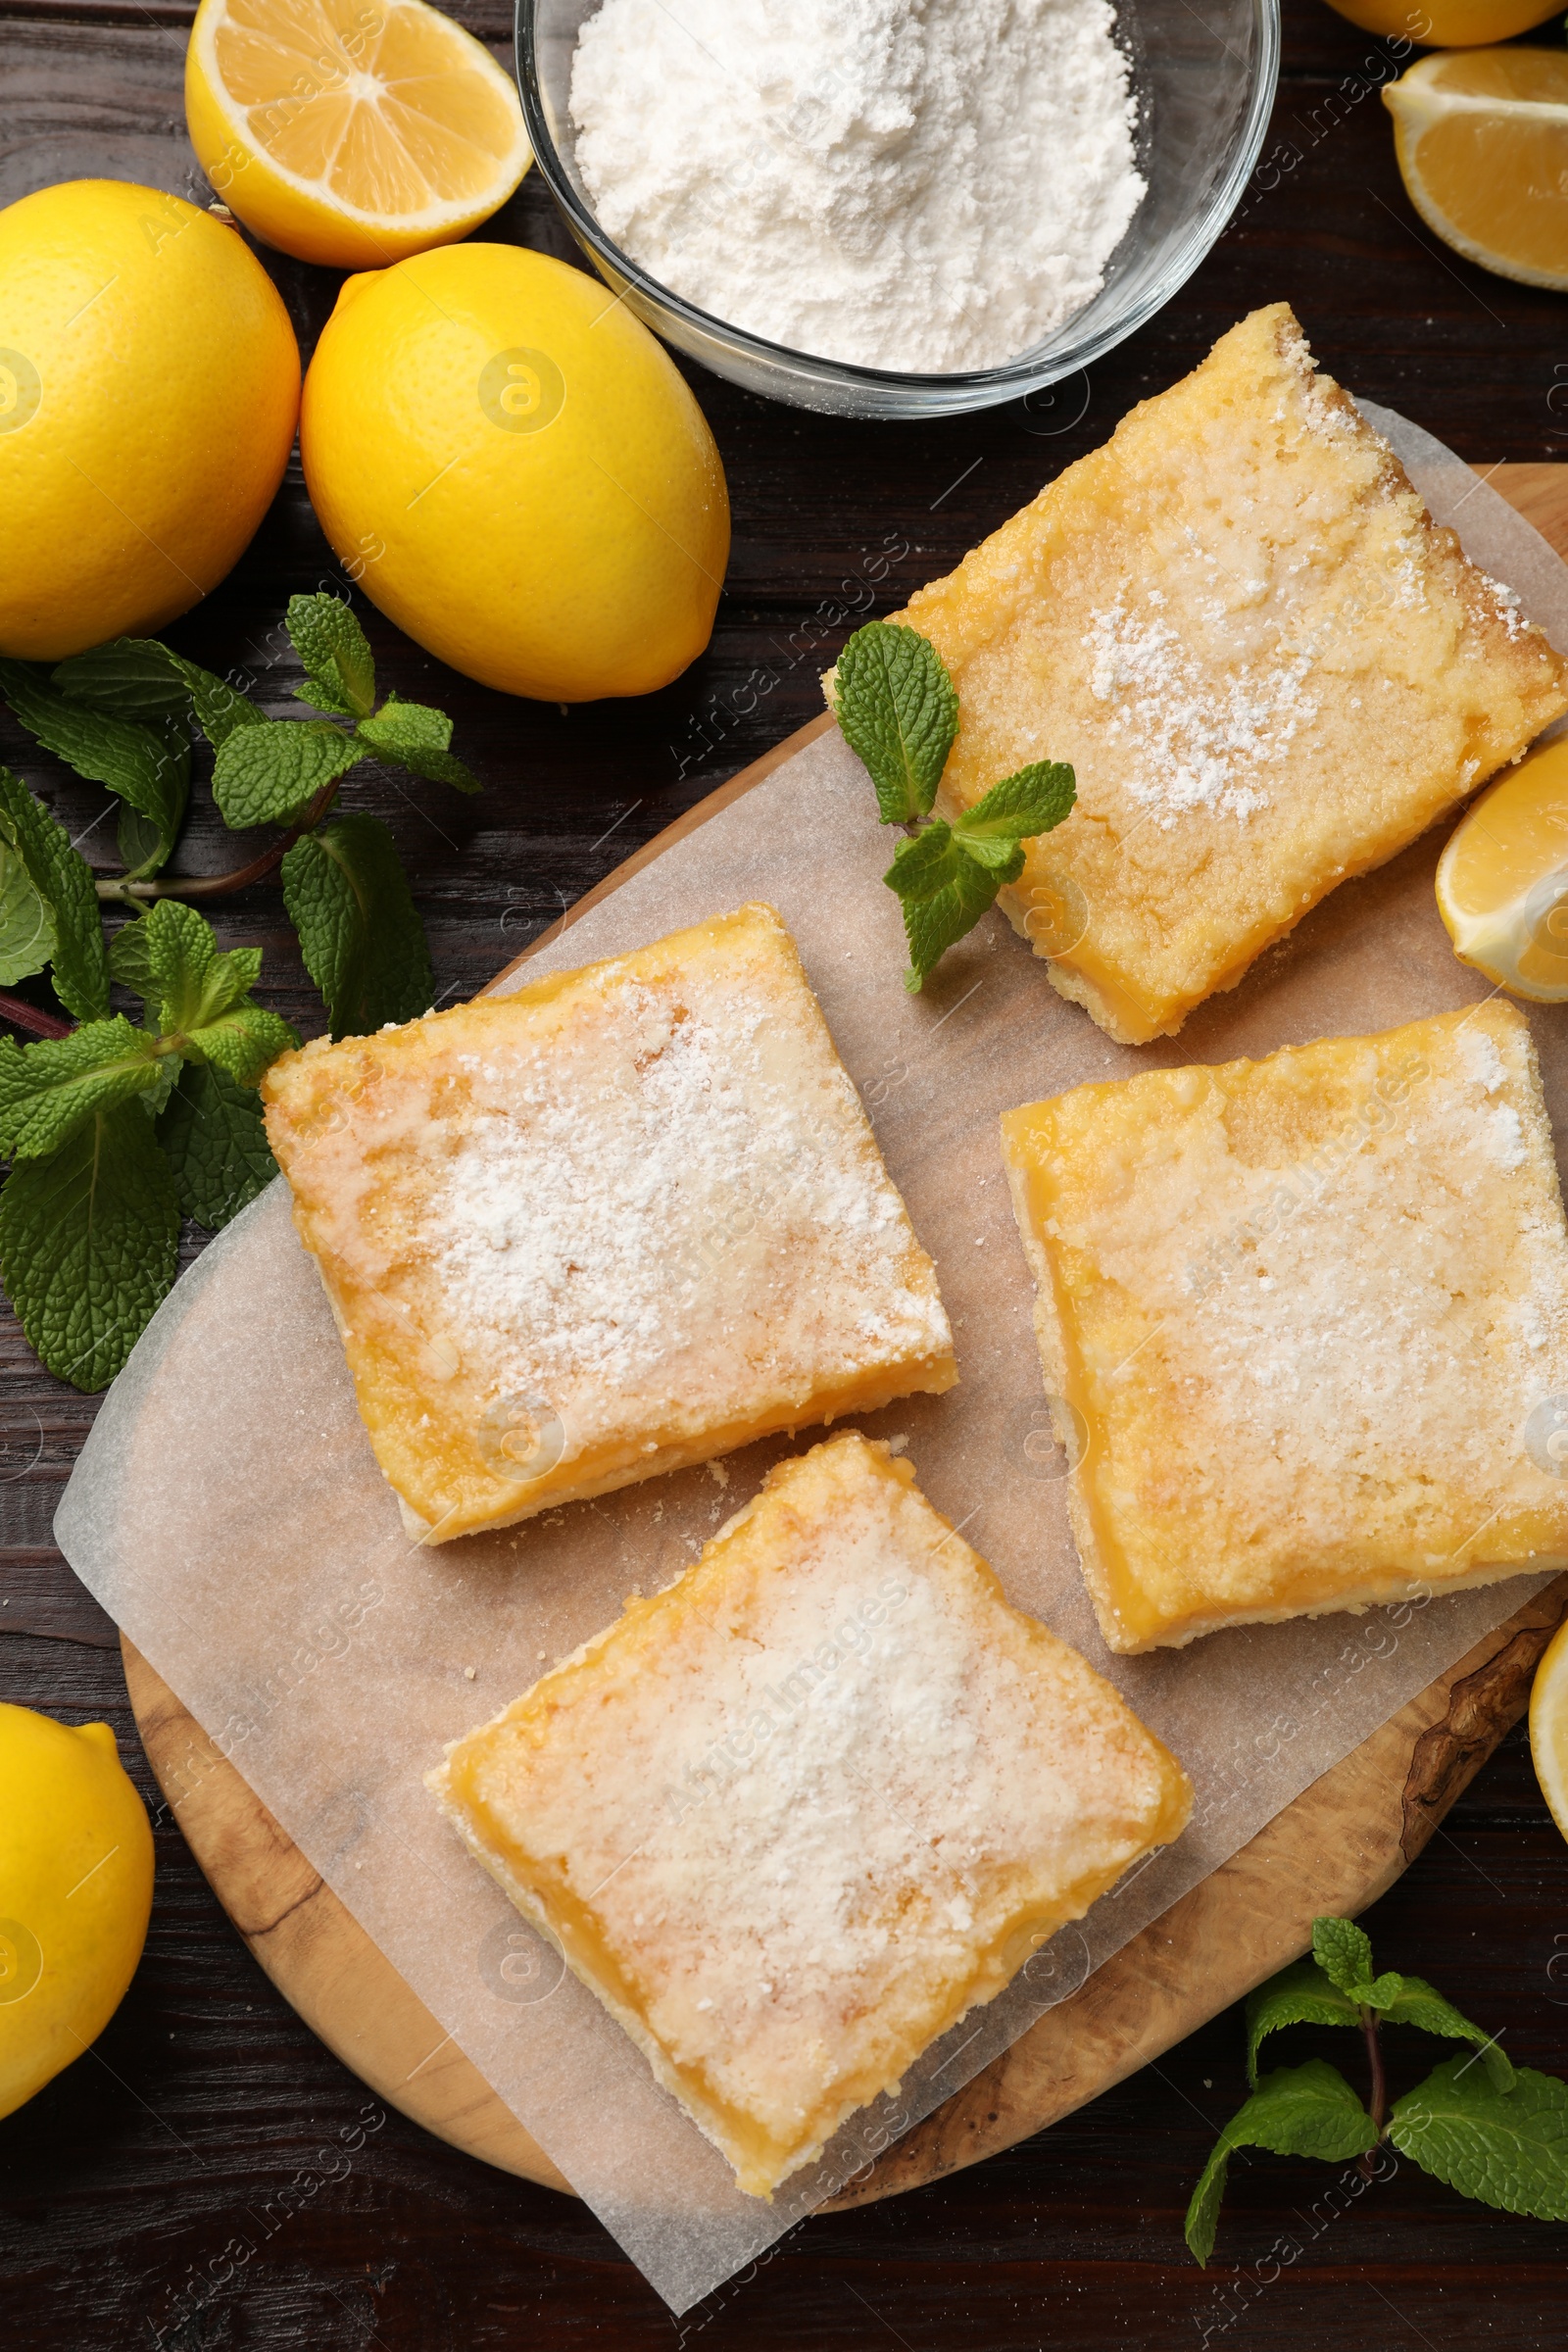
x=132, y=2191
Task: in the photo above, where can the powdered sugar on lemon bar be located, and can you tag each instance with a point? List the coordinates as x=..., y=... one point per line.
x=1306, y=1319
x=793, y=1817
x=622, y=1219
x=1267, y=666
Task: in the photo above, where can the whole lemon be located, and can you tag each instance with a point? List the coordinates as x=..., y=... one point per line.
x=1448, y=24
x=75, y=1890
x=149, y=389
x=517, y=473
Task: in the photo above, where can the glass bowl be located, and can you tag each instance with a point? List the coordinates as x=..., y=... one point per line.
x=1204, y=84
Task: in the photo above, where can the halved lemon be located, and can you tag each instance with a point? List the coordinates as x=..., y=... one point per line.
x=351, y=132
x=1502, y=880
x=1481, y=140
x=1548, y=1727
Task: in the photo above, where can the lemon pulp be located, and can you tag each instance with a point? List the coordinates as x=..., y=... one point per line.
x=1502, y=880
x=1482, y=141
x=348, y=134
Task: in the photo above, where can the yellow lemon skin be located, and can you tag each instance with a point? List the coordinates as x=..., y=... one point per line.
x=149, y=389
x=1548, y=1727
x=517, y=473
x=1446, y=24
x=75, y=1890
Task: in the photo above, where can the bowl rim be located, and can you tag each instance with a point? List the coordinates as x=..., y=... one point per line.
x=1031, y=371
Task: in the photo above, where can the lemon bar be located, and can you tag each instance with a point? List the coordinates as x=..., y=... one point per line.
x=625, y=1218
x=1269, y=668
x=793, y=1817
x=1305, y=1325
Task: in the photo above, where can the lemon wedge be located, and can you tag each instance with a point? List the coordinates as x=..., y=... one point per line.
x=347, y=133
x=1502, y=880
x=1482, y=141
x=1548, y=1727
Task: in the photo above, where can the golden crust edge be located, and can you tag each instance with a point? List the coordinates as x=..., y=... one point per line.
x=1444, y=552
x=1379, y=1592
x=1051, y=1341
x=993, y=1973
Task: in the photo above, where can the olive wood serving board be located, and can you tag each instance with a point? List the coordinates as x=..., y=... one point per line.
x=1339, y=1845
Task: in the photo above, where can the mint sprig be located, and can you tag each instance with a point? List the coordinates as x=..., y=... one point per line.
x=1493, y=2131
x=339, y=672
x=117, y=1128
x=897, y=711
x=198, y=999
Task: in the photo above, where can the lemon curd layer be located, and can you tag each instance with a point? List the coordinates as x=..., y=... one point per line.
x=793, y=1817
x=1306, y=1319
x=1266, y=664
x=623, y=1219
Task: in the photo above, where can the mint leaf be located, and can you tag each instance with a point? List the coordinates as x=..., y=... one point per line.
x=1419, y=2003
x=410, y=735
x=1018, y=809
x=1344, y=1953
x=130, y=677
x=267, y=773
x=146, y=836
x=89, y=1238
x=242, y=1041
x=147, y=766
x=137, y=674
x=1297, y=1996
x=197, y=995
x=339, y=667
x=1301, y=2111
x=1506, y=2149
x=64, y=880
x=48, y=1089
x=220, y=708
x=216, y=1141
x=132, y=960
x=945, y=892
x=360, y=931
x=897, y=711
x=27, y=918
x=170, y=957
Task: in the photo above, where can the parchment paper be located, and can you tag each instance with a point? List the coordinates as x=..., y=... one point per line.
x=227, y=1512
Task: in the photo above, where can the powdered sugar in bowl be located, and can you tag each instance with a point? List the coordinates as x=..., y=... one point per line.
x=863, y=230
